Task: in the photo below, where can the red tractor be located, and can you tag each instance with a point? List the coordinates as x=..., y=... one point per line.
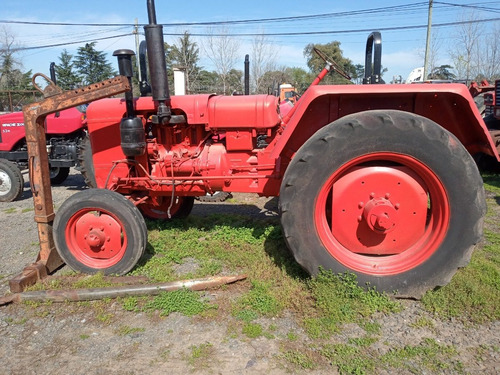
x=376, y=179
x=66, y=143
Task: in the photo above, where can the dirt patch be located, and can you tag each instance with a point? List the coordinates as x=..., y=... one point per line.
x=104, y=338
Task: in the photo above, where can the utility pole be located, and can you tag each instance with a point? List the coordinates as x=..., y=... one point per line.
x=136, y=32
x=428, y=41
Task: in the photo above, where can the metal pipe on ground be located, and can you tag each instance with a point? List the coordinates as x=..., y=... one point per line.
x=76, y=295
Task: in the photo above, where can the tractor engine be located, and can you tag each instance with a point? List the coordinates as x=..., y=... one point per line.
x=183, y=154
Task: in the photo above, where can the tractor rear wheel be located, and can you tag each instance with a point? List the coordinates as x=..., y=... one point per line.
x=99, y=230
x=387, y=195
x=86, y=162
x=58, y=174
x=11, y=181
x=180, y=209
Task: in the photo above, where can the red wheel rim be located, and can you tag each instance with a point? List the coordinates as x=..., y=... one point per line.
x=382, y=214
x=160, y=209
x=96, y=238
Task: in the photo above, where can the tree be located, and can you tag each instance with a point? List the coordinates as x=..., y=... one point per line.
x=10, y=66
x=223, y=51
x=358, y=73
x=333, y=51
x=12, y=79
x=92, y=65
x=66, y=78
x=206, y=82
x=299, y=78
x=186, y=54
x=263, y=59
x=442, y=72
x=467, y=38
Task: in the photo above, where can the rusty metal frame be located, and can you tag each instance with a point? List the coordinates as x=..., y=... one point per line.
x=48, y=259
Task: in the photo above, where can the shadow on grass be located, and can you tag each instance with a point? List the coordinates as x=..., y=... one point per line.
x=260, y=222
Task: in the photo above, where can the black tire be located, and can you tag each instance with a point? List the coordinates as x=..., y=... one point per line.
x=86, y=163
x=218, y=196
x=98, y=230
x=11, y=181
x=180, y=210
x=58, y=174
x=369, y=146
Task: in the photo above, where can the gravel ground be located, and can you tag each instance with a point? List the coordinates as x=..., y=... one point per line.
x=68, y=339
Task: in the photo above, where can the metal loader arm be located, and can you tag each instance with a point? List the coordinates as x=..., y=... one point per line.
x=34, y=118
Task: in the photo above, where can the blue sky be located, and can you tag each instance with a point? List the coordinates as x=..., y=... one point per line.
x=403, y=49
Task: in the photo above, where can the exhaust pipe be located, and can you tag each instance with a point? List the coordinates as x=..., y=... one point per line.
x=157, y=66
x=247, y=75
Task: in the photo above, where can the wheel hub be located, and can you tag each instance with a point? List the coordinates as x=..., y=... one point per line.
x=98, y=236
x=379, y=210
x=96, y=239
x=380, y=215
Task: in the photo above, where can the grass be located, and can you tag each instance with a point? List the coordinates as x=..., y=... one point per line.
x=200, y=356
x=183, y=301
x=473, y=295
x=320, y=307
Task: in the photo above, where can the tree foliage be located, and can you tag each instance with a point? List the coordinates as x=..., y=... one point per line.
x=92, y=65
x=333, y=51
x=185, y=54
x=67, y=78
x=442, y=72
x=11, y=76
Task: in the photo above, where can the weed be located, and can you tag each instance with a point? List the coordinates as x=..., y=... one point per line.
x=428, y=354
x=339, y=299
x=370, y=327
x=423, y=322
x=473, y=295
x=184, y=301
x=10, y=210
x=130, y=303
x=252, y=330
x=93, y=281
x=126, y=330
x=348, y=359
x=246, y=315
x=292, y=336
x=29, y=209
x=362, y=341
x=84, y=336
x=260, y=300
x=300, y=359
x=200, y=355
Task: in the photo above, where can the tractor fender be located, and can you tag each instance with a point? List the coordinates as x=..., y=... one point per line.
x=449, y=105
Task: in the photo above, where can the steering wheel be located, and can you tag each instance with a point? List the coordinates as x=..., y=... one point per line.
x=333, y=65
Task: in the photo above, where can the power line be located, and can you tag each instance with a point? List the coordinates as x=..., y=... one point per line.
x=69, y=43
x=303, y=33
x=399, y=8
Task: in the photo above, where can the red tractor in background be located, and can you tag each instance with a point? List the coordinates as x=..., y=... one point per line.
x=377, y=179
x=66, y=144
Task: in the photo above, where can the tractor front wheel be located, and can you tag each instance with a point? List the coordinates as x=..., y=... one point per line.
x=11, y=181
x=99, y=230
x=387, y=195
